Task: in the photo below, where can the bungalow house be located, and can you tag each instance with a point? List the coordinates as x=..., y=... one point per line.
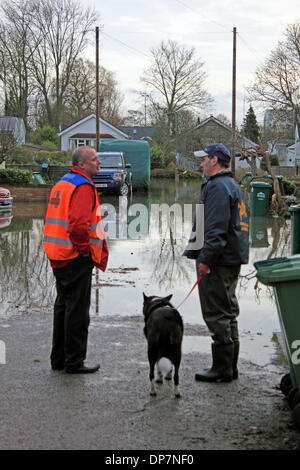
x=288, y=150
x=293, y=155
x=83, y=132
x=10, y=125
x=213, y=130
x=138, y=132
x=280, y=148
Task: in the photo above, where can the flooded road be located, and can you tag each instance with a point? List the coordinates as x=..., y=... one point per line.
x=145, y=256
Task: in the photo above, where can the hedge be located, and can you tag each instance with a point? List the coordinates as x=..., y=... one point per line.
x=25, y=156
x=14, y=176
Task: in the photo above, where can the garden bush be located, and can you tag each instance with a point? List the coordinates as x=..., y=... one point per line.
x=289, y=186
x=25, y=156
x=157, y=157
x=14, y=176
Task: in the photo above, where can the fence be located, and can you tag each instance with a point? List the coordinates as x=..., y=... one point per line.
x=54, y=172
x=287, y=171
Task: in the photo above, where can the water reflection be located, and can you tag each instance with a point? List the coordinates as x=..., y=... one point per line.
x=5, y=218
x=26, y=280
x=151, y=262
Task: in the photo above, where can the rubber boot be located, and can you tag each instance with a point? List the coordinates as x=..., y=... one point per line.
x=236, y=350
x=221, y=370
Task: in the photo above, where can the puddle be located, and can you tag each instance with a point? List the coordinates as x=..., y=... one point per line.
x=253, y=348
x=150, y=261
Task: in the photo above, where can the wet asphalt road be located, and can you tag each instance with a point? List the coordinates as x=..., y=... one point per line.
x=112, y=409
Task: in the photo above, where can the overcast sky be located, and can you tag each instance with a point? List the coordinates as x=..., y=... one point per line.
x=130, y=28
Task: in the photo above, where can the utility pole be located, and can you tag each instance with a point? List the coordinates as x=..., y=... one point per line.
x=233, y=144
x=97, y=93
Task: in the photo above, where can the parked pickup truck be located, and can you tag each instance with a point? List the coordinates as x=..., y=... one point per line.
x=114, y=174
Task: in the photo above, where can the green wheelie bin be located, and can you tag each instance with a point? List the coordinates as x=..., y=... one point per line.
x=244, y=178
x=259, y=198
x=295, y=229
x=259, y=232
x=283, y=274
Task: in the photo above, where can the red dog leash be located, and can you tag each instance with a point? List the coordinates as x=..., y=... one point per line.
x=190, y=291
x=203, y=270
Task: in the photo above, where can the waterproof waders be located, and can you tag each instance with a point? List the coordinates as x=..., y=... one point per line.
x=221, y=370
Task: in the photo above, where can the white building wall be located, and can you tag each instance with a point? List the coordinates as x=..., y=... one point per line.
x=243, y=164
x=88, y=127
x=292, y=157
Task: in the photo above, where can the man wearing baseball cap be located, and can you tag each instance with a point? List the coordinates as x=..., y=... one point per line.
x=218, y=262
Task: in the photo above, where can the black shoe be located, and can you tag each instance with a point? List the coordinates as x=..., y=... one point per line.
x=84, y=369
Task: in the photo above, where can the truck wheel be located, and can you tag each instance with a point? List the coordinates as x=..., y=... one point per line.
x=293, y=398
x=123, y=190
x=286, y=384
x=296, y=416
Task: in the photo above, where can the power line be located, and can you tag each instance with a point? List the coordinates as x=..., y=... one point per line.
x=203, y=14
x=126, y=45
x=255, y=52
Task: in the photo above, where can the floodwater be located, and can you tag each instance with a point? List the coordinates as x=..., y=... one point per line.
x=145, y=256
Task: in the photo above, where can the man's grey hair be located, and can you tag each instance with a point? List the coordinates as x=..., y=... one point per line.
x=79, y=155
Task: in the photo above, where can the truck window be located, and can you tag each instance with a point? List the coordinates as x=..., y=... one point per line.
x=111, y=161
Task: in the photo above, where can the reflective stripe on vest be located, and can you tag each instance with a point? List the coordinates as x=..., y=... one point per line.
x=63, y=223
x=57, y=243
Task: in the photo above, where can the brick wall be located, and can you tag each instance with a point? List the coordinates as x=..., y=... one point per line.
x=32, y=193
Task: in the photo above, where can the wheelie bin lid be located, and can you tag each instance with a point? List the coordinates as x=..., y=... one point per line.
x=273, y=271
x=260, y=184
x=294, y=208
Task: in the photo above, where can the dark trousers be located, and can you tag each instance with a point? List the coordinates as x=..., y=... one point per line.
x=71, y=313
x=219, y=304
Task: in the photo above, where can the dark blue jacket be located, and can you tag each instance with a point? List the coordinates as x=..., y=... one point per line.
x=226, y=230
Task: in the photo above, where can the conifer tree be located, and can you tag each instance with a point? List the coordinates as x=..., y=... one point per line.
x=250, y=126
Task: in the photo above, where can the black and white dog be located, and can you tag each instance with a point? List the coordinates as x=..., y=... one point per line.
x=164, y=331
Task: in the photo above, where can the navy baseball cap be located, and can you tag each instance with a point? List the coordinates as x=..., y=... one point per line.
x=212, y=150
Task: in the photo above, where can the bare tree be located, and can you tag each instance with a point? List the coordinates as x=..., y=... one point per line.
x=80, y=96
x=277, y=80
x=65, y=26
x=40, y=41
x=16, y=49
x=7, y=142
x=177, y=76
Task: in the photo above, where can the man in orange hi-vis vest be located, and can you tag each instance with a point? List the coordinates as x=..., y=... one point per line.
x=74, y=242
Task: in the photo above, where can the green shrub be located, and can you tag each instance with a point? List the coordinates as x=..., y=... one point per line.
x=47, y=136
x=49, y=144
x=30, y=157
x=14, y=176
x=157, y=157
x=274, y=161
x=289, y=186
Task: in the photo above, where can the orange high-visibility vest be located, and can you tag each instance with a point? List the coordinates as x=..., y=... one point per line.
x=57, y=243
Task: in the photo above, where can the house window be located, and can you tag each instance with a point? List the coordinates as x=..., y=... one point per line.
x=82, y=142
